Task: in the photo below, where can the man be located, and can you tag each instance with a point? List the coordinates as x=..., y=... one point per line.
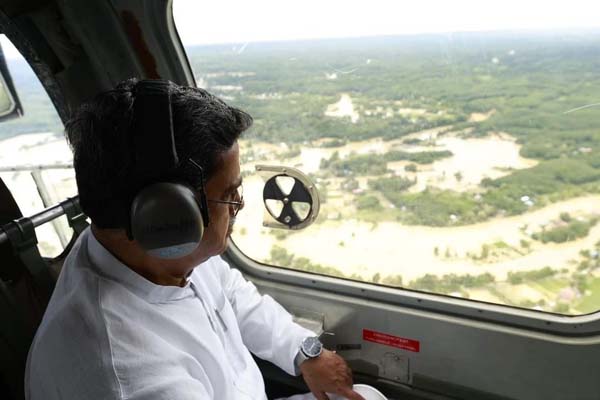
x=123, y=324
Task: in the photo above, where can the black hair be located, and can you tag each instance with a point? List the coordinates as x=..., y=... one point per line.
x=100, y=135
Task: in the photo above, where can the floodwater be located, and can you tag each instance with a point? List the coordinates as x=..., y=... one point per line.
x=391, y=248
x=473, y=159
x=343, y=108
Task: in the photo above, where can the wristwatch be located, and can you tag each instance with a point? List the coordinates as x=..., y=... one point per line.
x=311, y=347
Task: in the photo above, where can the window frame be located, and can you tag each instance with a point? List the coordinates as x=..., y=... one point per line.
x=57, y=100
x=541, y=321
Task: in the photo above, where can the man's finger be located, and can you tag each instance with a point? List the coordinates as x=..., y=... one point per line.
x=323, y=396
x=351, y=394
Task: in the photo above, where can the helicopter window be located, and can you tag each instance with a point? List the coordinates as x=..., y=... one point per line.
x=35, y=160
x=455, y=146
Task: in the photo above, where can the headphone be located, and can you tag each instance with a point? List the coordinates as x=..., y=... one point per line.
x=166, y=218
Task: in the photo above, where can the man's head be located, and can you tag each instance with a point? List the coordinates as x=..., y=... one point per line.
x=205, y=130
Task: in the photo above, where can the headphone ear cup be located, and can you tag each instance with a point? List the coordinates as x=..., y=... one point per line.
x=166, y=220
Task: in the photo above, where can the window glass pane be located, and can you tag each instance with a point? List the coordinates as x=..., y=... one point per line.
x=455, y=145
x=35, y=160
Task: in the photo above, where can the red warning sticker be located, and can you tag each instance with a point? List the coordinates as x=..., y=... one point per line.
x=389, y=340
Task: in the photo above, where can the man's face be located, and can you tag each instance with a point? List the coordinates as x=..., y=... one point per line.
x=223, y=185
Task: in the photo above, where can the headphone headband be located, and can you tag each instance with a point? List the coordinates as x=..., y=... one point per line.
x=154, y=142
x=166, y=218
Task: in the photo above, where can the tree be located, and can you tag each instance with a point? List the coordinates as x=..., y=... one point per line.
x=376, y=277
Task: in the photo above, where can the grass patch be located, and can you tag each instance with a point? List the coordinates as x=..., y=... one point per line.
x=550, y=286
x=519, y=277
x=435, y=207
x=571, y=230
x=368, y=202
x=420, y=157
x=364, y=164
x=590, y=303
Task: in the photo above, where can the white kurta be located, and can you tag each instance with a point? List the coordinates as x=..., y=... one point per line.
x=109, y=333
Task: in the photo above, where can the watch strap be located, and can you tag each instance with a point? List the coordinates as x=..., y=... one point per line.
x=299, y=359
x=301, y=356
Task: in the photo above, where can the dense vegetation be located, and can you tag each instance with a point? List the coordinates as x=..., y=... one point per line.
x=280, y=256
x=521, y=276
x=420, y=157
x=569, y=230
x=446, y=284
x=374, y=164
x=365, y=164
x=527, y=86
x=530, y=82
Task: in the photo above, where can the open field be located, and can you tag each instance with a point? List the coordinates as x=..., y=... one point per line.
x=590, y=302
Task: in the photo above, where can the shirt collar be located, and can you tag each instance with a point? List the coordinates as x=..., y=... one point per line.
x=110, y=267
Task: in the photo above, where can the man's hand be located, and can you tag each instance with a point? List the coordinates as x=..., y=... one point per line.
x=329, y=373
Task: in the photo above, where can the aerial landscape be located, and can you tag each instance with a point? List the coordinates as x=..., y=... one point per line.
x=463, y=164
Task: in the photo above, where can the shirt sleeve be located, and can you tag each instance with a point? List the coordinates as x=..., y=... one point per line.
x=267, y=329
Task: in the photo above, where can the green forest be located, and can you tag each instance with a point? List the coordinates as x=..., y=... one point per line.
x=537, y=85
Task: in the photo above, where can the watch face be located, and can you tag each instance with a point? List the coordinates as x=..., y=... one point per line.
x=312, y=347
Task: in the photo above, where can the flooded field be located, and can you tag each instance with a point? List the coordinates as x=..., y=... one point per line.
x=390, y=248
x=365, y=249
x=343, y=108
x=472, y=160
